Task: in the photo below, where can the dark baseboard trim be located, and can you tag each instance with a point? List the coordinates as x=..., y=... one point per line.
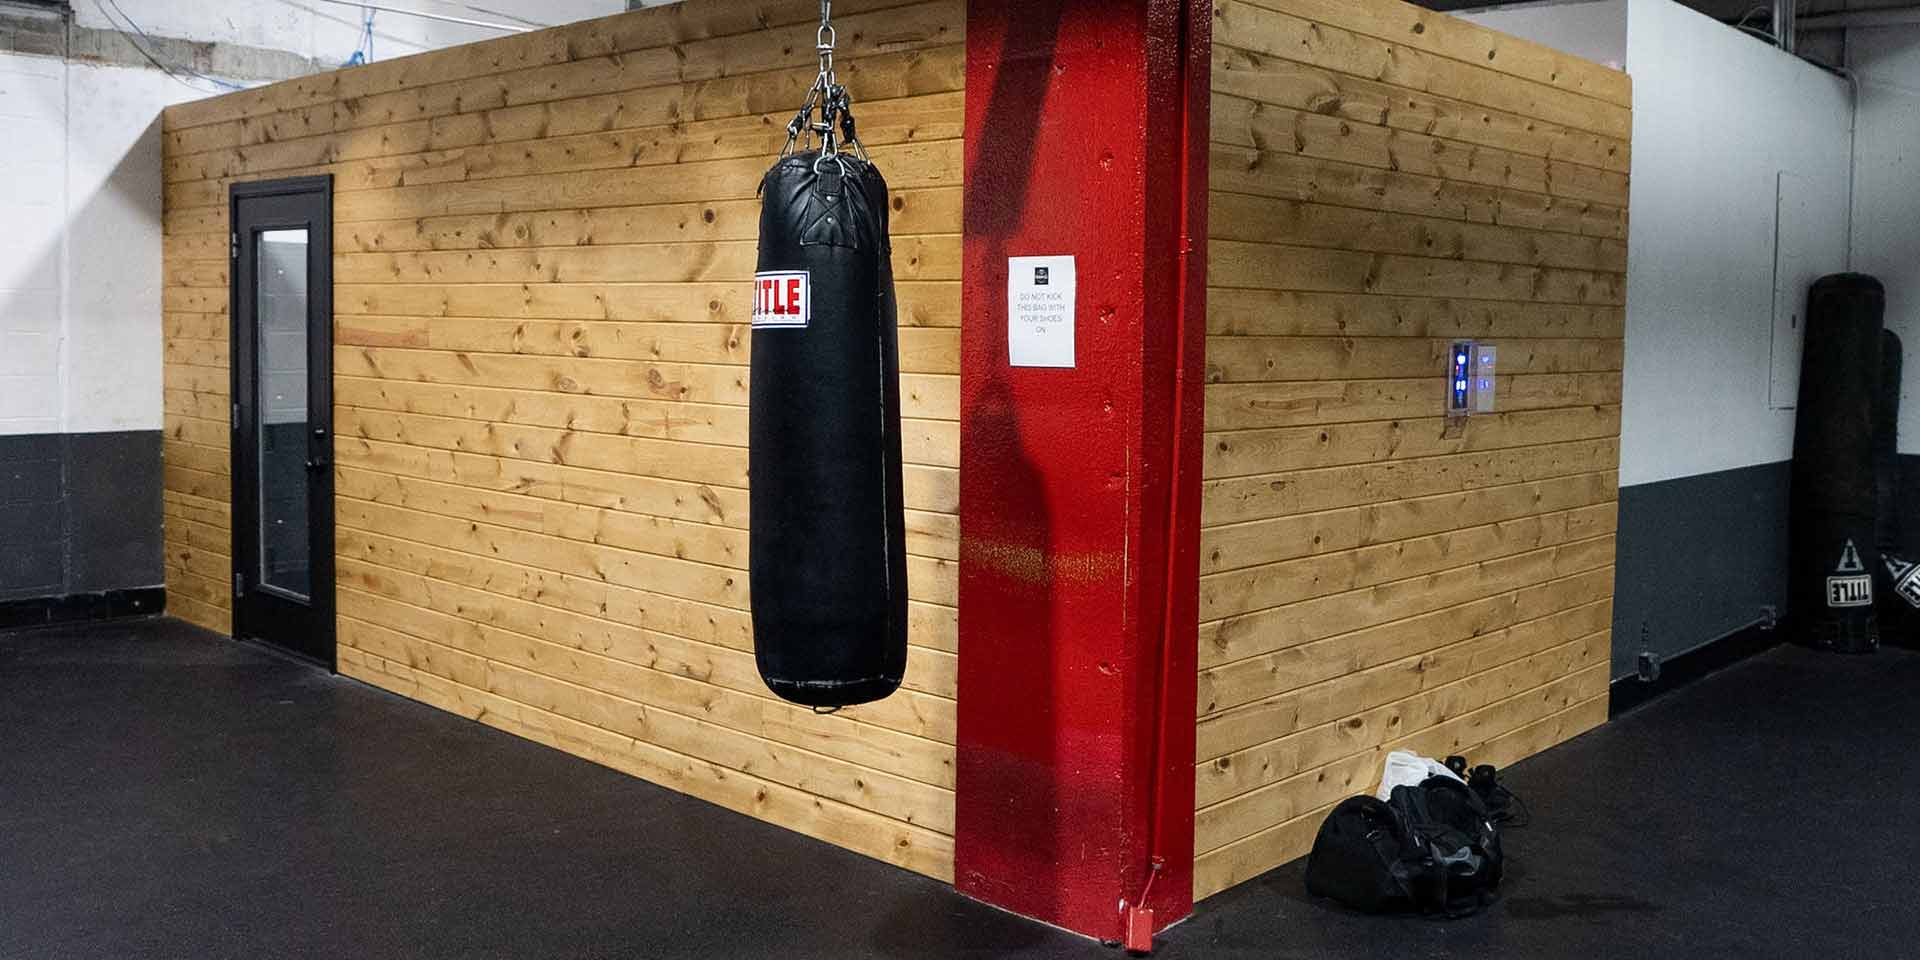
x=1627, y=693
x=113, y=604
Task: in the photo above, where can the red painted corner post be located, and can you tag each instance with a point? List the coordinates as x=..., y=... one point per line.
x=1079, y=486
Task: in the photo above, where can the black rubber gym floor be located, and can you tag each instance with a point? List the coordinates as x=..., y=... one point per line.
x=167, y=793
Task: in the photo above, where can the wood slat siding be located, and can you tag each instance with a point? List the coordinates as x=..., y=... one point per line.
x=1386, y=179
x=543, y=252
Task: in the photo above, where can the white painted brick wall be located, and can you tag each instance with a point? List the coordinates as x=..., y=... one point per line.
x=80, y=189
x=80, y=245
x=32, y=220
x=113, y=343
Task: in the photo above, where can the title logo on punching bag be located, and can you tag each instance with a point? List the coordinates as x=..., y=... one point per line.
x=782, y=299
x=1850, y=591
x=1906, y=578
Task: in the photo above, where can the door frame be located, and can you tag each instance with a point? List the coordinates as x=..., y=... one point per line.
x=320, y=632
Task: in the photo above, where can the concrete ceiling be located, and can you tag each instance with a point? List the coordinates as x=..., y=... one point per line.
x=1721, y=9
x=1824, y=47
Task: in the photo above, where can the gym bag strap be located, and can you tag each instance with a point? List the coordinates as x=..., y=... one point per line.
x=1454, y=844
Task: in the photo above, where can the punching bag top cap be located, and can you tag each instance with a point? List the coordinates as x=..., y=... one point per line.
x=1850, y=282
x=829, y=201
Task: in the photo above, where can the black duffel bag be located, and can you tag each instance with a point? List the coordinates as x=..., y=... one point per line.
x=1430, y=849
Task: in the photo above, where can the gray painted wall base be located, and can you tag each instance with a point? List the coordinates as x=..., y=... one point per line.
x=1698, y=559
x=79, y=513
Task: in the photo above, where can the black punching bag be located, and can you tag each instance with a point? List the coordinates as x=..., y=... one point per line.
x=1833, y=531
x=828, y=565
x=1886, y=447
x=1899, y=597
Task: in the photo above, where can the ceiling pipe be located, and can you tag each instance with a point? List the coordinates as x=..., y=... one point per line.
x=422, y=14
x=1888, y=17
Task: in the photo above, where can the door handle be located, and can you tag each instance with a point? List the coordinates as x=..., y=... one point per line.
x=322, y=461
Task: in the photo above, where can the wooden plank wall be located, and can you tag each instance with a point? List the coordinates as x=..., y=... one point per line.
x=1386, y=179
x=544, y=248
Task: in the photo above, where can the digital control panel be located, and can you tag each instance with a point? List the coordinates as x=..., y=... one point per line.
x=1460, y=380
x=1471, y=378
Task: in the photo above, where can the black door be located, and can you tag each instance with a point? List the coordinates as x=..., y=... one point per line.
x=282, y=360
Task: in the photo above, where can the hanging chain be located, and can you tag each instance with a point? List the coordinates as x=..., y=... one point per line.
x=827, y=114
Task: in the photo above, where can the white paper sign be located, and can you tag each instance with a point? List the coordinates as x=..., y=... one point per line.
x=1040, y=296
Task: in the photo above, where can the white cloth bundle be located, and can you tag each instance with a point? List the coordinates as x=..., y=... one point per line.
x=1410, y=769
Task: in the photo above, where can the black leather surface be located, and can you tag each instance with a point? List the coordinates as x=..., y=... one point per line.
x=828, y=553
x=1833, y=490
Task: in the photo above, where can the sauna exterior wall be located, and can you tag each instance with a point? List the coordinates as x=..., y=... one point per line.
x=1386, y=180
x=543, y=252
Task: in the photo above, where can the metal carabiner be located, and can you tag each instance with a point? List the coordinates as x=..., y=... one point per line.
x=829, y=100
x=835, y=157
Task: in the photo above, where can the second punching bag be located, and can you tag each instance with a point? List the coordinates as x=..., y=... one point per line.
x=1833, y=534
x=828, y=561
x=1886, y=449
